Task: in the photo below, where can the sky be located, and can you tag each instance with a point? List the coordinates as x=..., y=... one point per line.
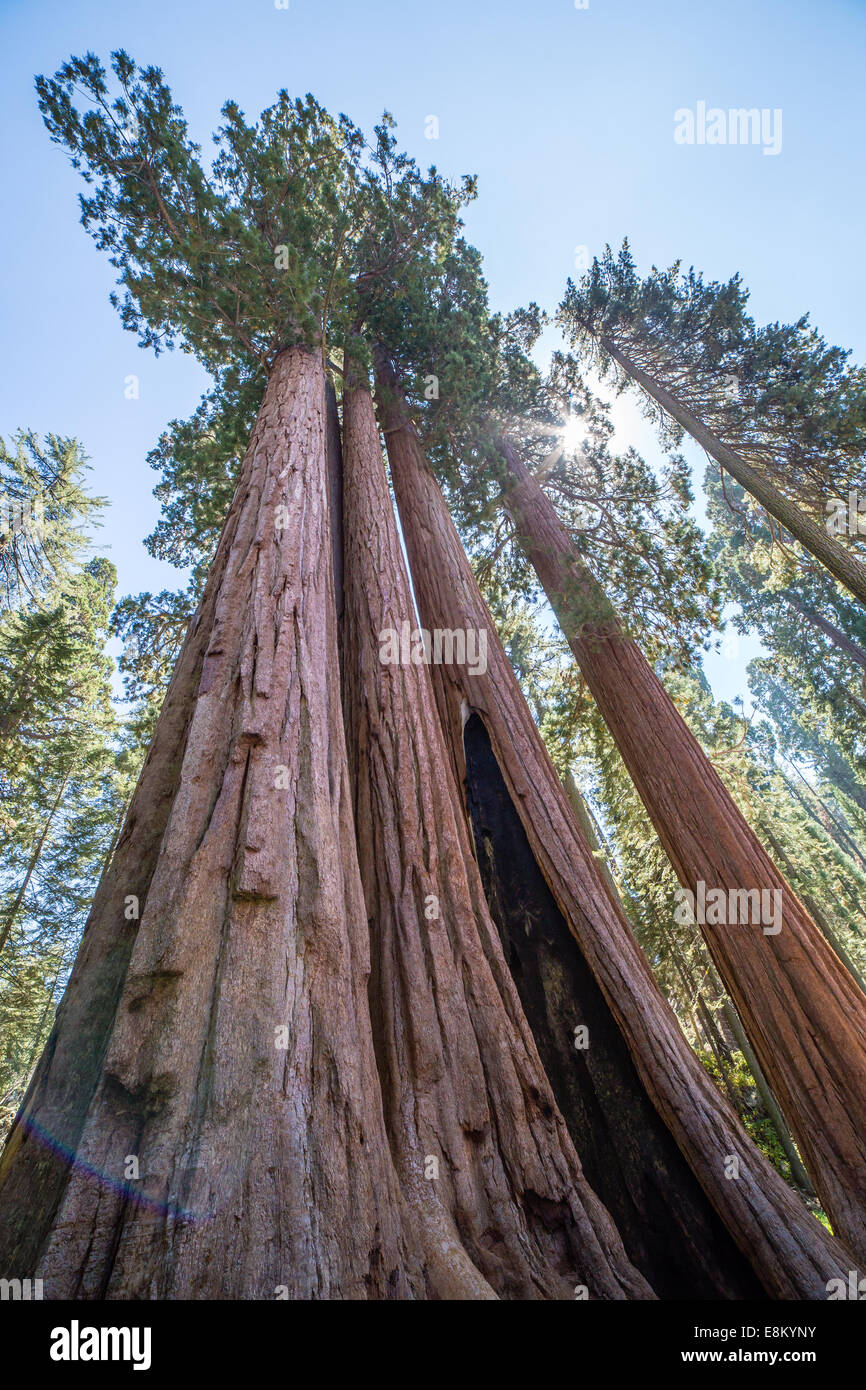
x=567, y=113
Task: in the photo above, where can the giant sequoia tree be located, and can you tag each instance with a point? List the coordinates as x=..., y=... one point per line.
x=310, y=983
x=813, y=1023
x=239, y=831
x=223, y=971
x=462, y=1082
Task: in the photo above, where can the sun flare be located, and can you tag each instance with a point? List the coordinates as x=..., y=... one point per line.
x=573, y=434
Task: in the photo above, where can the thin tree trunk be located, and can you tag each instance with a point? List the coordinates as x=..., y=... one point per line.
x=238, y=1071
x=694, y=990
x=507, y=1210
x=721, y=1051
x=37, y=1041
x=789, y=1252
x=843, y=776
x=738, y=1039
x=798, y=1172
x=830, y=824
x=587, y=824
x=802, y=1011
x=841, y=563
x=9, y=919
x=837, y=637
x=37, y=1038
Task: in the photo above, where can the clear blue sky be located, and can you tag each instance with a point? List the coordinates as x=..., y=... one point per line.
x=566, y=115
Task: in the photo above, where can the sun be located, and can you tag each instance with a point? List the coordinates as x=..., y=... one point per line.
x=573, y=434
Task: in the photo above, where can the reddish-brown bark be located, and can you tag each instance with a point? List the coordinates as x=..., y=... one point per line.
x=263, y=1159
x=802, y=1012
x=791, y=1254
x=34, y=1164
x=510, y=1212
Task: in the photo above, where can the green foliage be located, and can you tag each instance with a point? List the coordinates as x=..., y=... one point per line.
x=812, y=630
x=736, y=1077
x=785, y=400
x=630, y=525
x=44, y=514
x=63, y=782
x=297, y=233
x=27, y=999
x=279, y=243
x=152, y=628
x=198, y=461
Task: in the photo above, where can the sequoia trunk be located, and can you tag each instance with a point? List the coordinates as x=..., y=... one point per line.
x=791, y=1255
x=483, y=1155
x=34, y=1164
x=237, y=1117
x=802, y=1011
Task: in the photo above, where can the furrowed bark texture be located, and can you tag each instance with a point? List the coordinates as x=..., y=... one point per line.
x=34, y=1165
x=792, y=1256
x=262, y=1155
x=842, y=563
x=510, y=1212
x=803, y=1013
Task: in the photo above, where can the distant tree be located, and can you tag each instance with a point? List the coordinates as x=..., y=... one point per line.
x=63, y=789
x=45, y=513
x=812, y=630
x=777, y=408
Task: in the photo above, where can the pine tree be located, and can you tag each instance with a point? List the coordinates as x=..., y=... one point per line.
x=44, y=513
x=63, y=790
x=776, y=408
